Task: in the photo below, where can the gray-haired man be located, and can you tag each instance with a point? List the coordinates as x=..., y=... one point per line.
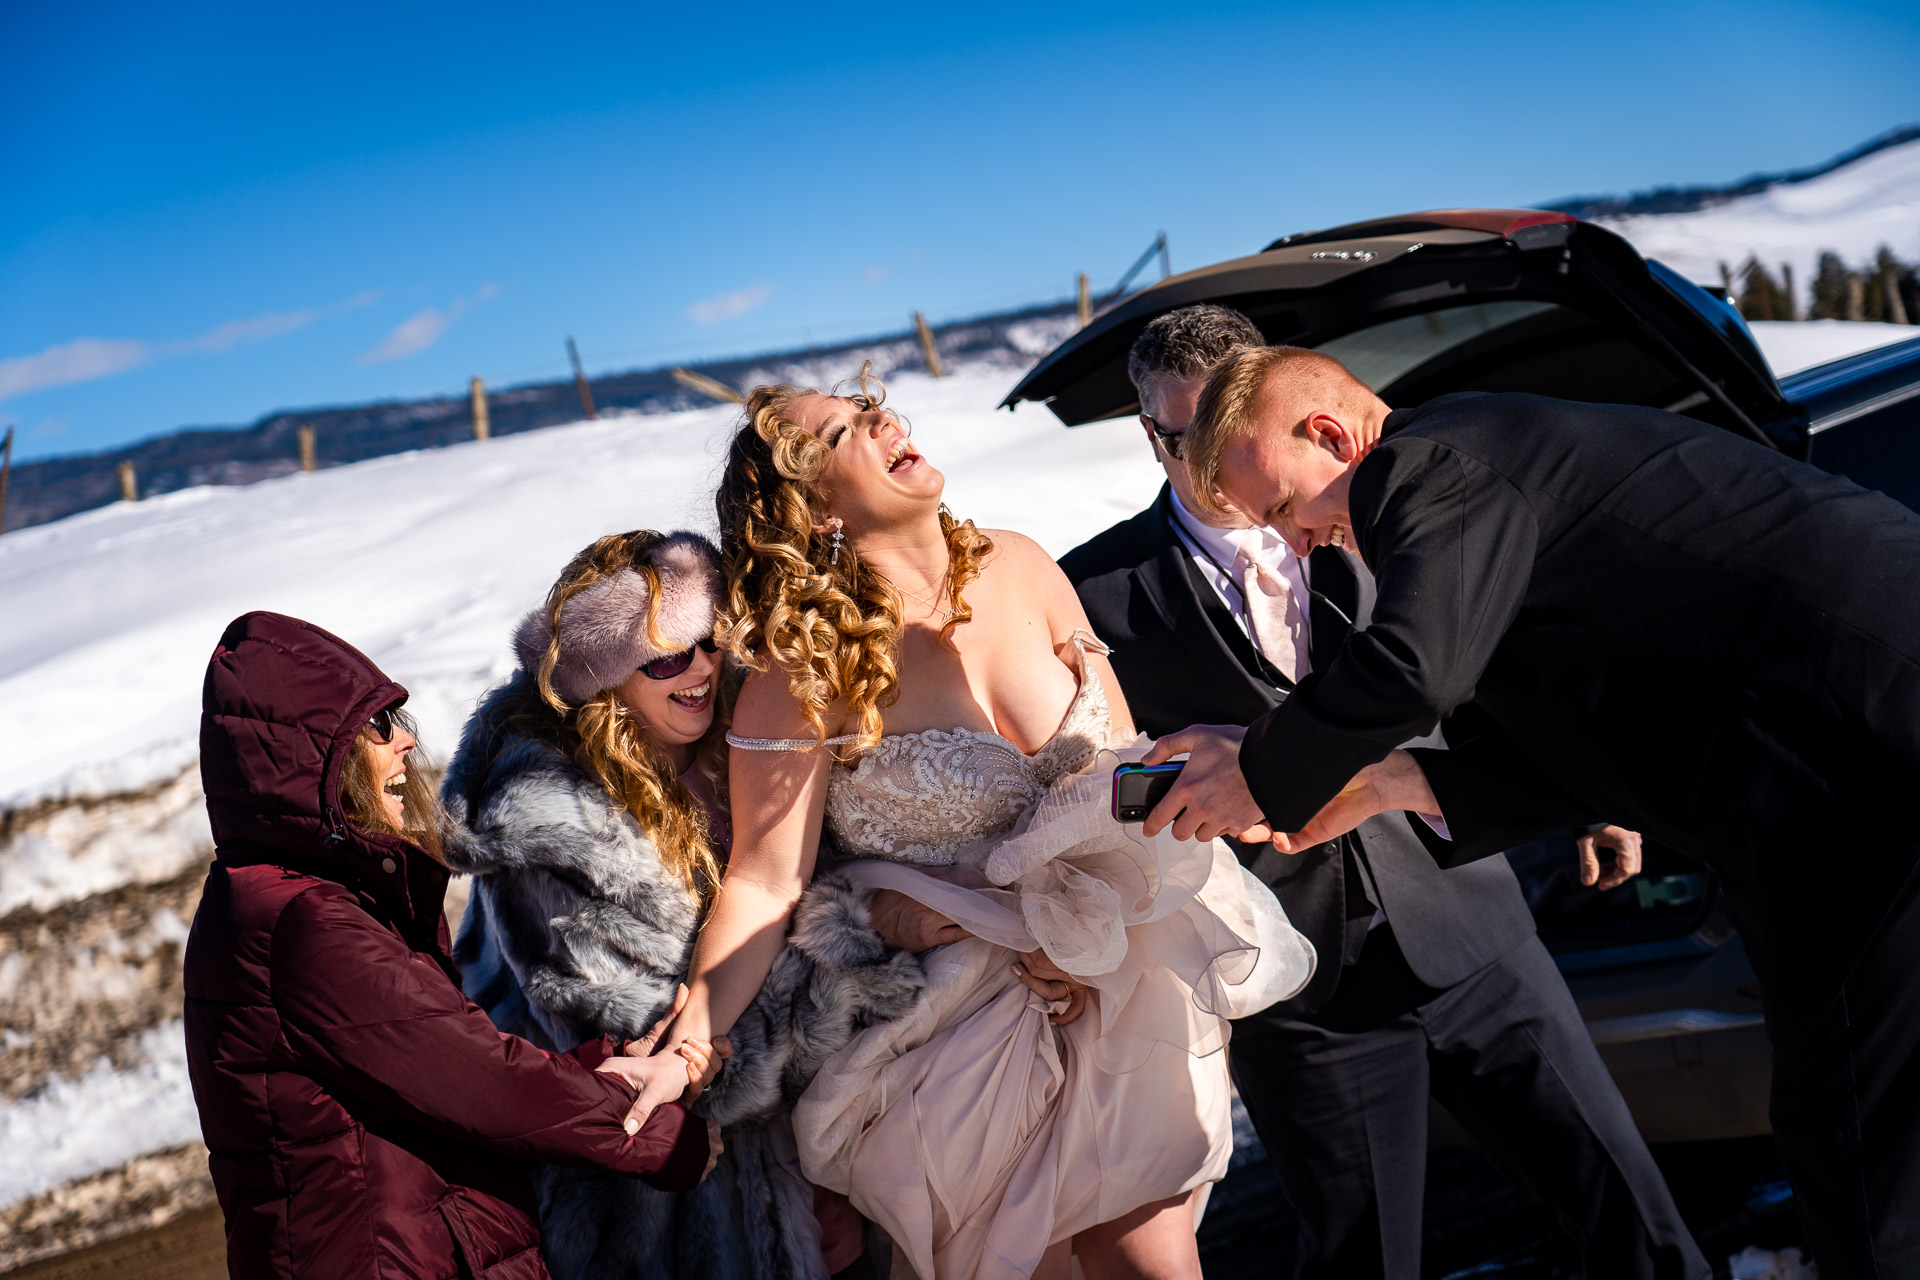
x=1430, y=981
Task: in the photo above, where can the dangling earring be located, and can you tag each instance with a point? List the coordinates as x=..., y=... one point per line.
x=833, y=555
x=1338, y=537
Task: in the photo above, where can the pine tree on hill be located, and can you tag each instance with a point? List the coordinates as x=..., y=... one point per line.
x=1829, y=289
x=1761, y=296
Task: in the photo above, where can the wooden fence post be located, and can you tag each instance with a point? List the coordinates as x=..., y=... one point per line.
x=1726, y=283
x=1896, y=305
x=708, y=387
x=1086, y=302
x=129, y=491
x=580, y=379
x=1793, y=298
x=6, y=474
x=1856, y=296
x=927, y=349
x=306, y=447
x=482, y=428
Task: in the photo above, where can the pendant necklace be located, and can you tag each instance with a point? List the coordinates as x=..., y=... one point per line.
x=946, y=614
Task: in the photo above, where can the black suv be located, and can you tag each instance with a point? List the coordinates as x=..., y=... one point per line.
x=1526, y=300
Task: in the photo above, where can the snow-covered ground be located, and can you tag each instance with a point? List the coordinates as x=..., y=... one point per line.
x=425, y=560
x=1790, y=347
x=1852, y=211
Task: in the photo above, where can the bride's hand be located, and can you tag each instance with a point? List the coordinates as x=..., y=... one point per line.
x=906, y=925
x=1051, y=983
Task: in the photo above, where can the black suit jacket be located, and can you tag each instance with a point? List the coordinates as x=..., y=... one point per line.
x=1664, y=624
x=1182, y=660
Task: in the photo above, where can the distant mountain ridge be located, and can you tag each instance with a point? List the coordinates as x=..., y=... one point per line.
x=1688, y=199
x=51, y=488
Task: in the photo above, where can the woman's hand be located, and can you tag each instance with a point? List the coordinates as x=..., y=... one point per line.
x=906, y=925
x=703, y=1061
x=1051, y=983
x=661, y=1078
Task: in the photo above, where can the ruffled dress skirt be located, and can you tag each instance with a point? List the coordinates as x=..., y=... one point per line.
x=975, y=1133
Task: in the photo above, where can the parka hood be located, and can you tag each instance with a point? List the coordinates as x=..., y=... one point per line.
x=282, y=705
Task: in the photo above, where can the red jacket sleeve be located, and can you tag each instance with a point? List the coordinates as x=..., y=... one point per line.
x=367, y=1013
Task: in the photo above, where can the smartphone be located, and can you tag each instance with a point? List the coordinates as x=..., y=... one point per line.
x=1137, y=788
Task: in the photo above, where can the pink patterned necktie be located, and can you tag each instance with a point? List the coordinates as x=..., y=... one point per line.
x=1276, y=618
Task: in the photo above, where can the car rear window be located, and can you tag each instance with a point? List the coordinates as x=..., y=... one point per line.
x=1379, y=355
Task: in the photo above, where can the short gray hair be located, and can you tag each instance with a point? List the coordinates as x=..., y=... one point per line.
x=1188, y=343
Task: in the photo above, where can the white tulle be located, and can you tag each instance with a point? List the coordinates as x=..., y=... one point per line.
x=973, y=1131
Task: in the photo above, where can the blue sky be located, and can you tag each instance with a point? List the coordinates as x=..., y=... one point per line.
x=212, y=211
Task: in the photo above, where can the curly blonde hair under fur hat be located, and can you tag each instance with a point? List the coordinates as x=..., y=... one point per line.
x=833, y=627
x=628, y=599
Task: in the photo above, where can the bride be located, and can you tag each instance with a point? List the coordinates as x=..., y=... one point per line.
x=930, y=694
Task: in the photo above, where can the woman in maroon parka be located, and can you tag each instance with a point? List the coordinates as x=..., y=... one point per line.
x=365, y=1119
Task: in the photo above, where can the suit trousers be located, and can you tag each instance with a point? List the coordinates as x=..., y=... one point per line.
x=1339, y=1098
x=1846, y=1108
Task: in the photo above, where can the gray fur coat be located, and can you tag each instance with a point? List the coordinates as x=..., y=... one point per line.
x=574, y=930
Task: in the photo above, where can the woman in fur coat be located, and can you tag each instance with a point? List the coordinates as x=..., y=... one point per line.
x=588, y=801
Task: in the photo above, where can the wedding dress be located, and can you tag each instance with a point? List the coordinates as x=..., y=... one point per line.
x=971, y=1130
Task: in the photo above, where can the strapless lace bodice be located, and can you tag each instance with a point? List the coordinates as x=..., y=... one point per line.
x=920, y=797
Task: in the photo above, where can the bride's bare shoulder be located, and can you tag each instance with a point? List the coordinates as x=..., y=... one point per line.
x=1016, y=551
x=1025, y=565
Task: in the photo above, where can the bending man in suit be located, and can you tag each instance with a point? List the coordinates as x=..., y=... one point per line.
x=1429, y=980
x=1659, y=620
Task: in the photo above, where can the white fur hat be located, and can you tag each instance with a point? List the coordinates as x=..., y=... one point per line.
x=603, y=629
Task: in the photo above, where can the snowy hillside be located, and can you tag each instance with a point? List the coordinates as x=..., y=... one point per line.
x=1852, y=210
x=425, y=560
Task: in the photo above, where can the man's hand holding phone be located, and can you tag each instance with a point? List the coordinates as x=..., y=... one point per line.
x=1209, y=798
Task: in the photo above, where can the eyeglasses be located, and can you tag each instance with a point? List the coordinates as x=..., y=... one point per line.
x=1169, y=440
x=380, y=724
x=674, y=663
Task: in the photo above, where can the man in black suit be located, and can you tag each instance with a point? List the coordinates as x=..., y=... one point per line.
x=1428, y=980
x=1657, y=619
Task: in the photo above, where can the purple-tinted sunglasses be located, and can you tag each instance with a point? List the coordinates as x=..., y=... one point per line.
x=674, y=663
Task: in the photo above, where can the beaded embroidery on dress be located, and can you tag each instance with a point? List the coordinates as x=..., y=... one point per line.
x=920, y=797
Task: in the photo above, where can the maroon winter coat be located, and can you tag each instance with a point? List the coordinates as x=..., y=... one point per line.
x=364, y=1118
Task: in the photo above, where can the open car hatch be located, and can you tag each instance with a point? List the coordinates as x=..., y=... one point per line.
x=1460, y=300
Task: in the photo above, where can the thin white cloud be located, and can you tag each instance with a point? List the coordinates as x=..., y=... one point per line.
x=81, y=360
x=85, y=359
x=876, y=273
x=422, y=329
x=236, y=333
x=726, y=306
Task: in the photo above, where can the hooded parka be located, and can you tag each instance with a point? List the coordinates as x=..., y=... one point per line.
x=364, y=1119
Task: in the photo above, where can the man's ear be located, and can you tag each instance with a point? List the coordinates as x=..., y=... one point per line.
x=1334, y=435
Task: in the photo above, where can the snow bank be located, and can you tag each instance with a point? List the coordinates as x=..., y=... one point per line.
x=1790, y=347
x=74, y=1128
x=425, y=560
x=1852, y=211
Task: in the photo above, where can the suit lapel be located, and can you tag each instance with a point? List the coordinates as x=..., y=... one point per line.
x=1168, y=580
x=1336, y=592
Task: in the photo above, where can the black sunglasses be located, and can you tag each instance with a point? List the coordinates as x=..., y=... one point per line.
x=1169, y=440
x=674, y=663
x=380, y=724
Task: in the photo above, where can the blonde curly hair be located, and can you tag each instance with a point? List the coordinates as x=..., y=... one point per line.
x=610, y=744
x=834, y=628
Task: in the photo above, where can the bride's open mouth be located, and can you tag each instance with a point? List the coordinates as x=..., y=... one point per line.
x=901, y=457
x=698, y=698
x=396, y=785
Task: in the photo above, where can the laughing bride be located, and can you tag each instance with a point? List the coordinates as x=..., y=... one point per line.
x=930, y=694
